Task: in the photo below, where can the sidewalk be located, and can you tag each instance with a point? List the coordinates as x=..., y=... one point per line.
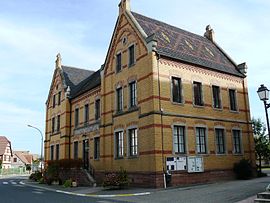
x=91, y=191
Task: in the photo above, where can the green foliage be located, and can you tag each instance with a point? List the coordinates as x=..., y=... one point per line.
x=55, y=166
x=243, y=169
x=28, y=167
x=35, y=176
x=67, y=183
x=262, y=149
x=41, y=181
x=0, y=164
x=116, y=179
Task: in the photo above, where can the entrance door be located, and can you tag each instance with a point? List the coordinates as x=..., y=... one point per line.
x=86, y=154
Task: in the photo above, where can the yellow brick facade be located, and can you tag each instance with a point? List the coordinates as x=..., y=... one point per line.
x=154, y=116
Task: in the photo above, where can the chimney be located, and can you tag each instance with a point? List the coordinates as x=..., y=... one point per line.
x=242, y=68
x=209, y=33
x=124, y=5
x=58, y=62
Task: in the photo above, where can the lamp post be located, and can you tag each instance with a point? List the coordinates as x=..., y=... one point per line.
x=263, y=93
x=41, y=153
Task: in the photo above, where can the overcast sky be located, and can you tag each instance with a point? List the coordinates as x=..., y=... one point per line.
x=32, y=32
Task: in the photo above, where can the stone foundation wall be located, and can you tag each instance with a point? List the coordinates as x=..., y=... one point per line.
x=75, y=174
x=178, y=178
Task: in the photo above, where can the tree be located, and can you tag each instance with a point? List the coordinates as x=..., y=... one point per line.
x=0, y=164
x=262, y=149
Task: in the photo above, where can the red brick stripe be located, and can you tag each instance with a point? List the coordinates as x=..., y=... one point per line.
x=156, y=152
x=154, y=126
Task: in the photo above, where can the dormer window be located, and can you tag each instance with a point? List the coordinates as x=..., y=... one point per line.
x=118, y=62
x=131, y=54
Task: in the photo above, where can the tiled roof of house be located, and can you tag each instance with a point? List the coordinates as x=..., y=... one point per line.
x=89, y=83
x=3, y=144
x=181, y=45
x=74, y=76
x=26, y=158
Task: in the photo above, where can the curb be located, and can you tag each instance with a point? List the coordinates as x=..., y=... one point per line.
x=86, y=195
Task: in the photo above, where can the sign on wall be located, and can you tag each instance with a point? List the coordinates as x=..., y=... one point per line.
x=195, y=164
x=176, y=163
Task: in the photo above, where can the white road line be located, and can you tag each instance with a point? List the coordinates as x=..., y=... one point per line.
x=5, y=183
x=13, y=183
x=37, y=192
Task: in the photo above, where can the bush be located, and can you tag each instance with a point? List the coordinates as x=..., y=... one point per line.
x=41, y=181
x=35, y=176
x=243, y=169
x=68, y=183
x=116, y=179
x=261, y=174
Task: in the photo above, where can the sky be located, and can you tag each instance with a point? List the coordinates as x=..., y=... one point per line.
x=32, y=32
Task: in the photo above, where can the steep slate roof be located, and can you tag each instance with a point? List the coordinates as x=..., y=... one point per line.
x=3, y=144
x=179, y=44
x=89, y=83
x=74, y=76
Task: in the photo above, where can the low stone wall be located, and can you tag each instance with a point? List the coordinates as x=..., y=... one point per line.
x=178, y=178
x=77, y=175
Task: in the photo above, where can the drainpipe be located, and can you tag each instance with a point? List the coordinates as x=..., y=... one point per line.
x=161, y=120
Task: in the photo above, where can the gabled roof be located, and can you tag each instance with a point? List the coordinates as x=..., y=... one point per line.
x=74, y=76
x=3, y=144
x=182, y=45
x=89, y=83
x=25, y=158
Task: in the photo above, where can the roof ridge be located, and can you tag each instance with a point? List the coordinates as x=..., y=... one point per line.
x=77, y=68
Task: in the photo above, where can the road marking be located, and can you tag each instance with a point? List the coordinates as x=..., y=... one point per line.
x=13, y=183
x=37, y=192
x=22, y=183
x=5, y=183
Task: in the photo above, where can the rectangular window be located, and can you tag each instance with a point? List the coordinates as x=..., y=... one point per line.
x=14, y=159
x=236, y=142
x=132, y=94
x=179, y=139
x=58, y=123
x=53, y=101
x=96, y=148
x=57, y=151
x=133, y=142
x=232, y=95
x=53, y=123
x=197, y=91
x=118, y=62
x=119, y=144
x=201, y=140
x=76, y=145
x=216, y=97
x=52, y=152
x=176, y=90
x=59, y=98
x=119, y=99
x=86, y=113
x=220, y=141
x=131, y=52
x=76, y=117
x=97, y=109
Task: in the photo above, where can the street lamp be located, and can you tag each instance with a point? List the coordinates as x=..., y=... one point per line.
x=263, y=93
x=41, y=155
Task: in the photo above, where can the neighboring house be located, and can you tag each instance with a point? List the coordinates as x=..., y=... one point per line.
x=5, y=152
x=164, y=100
x=21, y=159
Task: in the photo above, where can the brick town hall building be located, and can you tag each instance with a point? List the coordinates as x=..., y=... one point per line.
x=164, y=100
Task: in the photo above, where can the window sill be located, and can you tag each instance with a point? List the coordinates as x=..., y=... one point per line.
x=133, y=157
x=97, y=159
x=177, y=103
x=218, y=109
x=55, y=133
x=236, y=112
x=133, y=108
x=118, y=158
x=238, y=154
x=199, y=106
x=131, y=65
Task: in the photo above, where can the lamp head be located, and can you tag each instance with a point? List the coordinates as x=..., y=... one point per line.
x=263, y=93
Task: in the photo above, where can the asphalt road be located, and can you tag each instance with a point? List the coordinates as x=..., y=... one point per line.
x=12, y=191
